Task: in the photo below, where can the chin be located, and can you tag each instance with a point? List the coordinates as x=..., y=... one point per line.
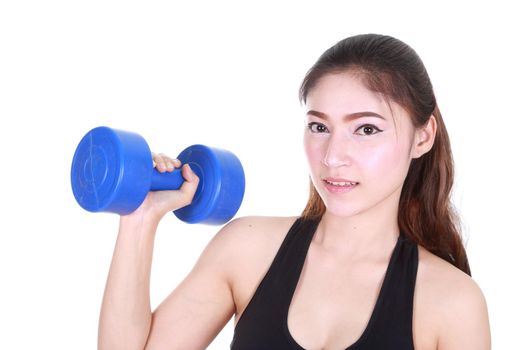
x=342, y=210
x=342, y=213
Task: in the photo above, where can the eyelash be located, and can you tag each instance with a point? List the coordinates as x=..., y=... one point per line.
x=313, y=125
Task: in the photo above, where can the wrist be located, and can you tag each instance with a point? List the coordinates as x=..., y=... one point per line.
x=141, y=218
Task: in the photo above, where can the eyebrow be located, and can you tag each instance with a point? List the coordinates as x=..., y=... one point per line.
x=347, y=117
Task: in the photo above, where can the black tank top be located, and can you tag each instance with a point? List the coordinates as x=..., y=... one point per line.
x=264, y=323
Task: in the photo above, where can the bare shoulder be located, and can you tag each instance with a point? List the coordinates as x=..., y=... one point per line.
x=249, y=240
x=251, y=244
x=253, y=234
x=451, y=304
x=265, y=225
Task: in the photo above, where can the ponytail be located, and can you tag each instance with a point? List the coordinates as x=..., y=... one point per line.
x=426, y=213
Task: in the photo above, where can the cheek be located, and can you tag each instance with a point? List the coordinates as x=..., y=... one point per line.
x=389, y=159
x=313, y=150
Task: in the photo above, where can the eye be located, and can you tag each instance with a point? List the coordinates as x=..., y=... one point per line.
x=317, y=127
x=368, y=129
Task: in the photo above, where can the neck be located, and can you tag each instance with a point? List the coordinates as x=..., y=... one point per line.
x=371, y=233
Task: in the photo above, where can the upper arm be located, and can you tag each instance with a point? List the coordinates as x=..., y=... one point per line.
x=196, y=311
x=465, y=323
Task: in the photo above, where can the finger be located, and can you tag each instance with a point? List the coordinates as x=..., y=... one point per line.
x=166, y=161
x=176, y=162
x=170, y=163
x=159, y=162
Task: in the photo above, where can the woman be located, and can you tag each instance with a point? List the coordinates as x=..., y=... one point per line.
x=374, y=262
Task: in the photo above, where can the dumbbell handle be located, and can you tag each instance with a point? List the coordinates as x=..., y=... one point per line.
x=167, y=180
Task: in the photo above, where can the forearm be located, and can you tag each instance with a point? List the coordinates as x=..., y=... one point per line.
x=125, y=316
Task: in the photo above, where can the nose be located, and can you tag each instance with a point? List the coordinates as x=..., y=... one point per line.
x=336, y=152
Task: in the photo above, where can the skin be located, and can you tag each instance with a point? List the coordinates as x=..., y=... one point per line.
x=352, y=244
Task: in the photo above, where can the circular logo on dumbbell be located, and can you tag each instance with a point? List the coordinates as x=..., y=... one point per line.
x=95, y=168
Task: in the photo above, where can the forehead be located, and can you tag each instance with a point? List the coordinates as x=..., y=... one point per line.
x=343, y=93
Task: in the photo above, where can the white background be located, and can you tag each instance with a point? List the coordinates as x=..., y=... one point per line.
x=226, y=74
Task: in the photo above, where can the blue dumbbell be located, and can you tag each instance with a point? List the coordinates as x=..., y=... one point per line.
x=112, y=171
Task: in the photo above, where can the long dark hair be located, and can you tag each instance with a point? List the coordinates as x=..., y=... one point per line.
x=393, y=69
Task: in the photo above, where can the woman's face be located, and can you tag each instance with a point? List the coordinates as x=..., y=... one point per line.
x=358, y=147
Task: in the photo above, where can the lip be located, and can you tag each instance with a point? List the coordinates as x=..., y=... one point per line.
x=339, y=185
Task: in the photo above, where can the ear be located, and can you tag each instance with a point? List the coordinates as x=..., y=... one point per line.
x=424, y=138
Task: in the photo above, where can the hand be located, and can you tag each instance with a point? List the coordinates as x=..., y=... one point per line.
x=158, y=203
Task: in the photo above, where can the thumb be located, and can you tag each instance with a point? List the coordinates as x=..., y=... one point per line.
x=189, y=187
x=188, y=174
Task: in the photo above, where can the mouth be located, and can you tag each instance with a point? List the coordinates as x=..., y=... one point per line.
x=339, y=185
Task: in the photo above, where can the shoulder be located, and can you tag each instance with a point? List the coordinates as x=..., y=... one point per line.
x=249, y=231
x=248, y=245
x=260, y=224
x=447, y=285
x=250, y=238
x=454, y=302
